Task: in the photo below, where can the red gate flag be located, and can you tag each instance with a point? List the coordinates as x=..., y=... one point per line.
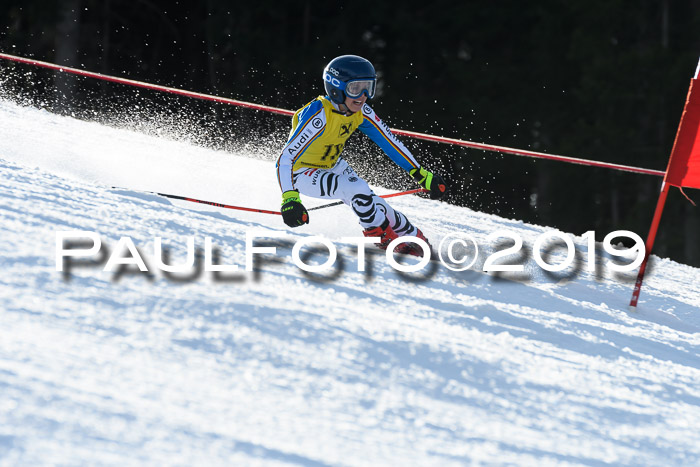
x=683, y=170
x=684, y=166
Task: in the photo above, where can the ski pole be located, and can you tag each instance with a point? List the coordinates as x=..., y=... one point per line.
x=218, y=205
x=265, y=211
x=391, y=195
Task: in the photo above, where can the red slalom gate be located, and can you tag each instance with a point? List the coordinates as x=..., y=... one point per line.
x=683, y=170
x=277, y=110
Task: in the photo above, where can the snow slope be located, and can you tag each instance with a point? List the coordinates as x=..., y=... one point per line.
x=276, y=367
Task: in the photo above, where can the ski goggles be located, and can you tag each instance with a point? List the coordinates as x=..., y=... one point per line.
x=354, y=89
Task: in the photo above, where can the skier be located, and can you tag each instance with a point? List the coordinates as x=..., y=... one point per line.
x=311, y=162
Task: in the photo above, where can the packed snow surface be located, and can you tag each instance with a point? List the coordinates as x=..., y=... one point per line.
x=282, y=367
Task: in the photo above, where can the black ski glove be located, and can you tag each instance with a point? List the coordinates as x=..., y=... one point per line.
x=430, y=181
x=294, y=213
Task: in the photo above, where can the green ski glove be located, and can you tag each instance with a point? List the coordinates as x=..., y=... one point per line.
x=294, y=213
x=430, y=181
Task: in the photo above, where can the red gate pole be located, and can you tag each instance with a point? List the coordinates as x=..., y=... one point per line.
x=266, y=108
x=649, y=244
x=141, y=84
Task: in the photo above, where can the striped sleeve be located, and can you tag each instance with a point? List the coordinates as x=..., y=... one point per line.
x=312, y=123
x=380, y=133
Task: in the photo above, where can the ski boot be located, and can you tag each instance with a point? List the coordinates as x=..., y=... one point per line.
x=413, y=248
x=385, y=233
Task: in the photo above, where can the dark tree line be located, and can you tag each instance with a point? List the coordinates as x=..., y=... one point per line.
x=596, y=79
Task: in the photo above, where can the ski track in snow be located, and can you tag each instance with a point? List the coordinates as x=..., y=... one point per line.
x=279, y=368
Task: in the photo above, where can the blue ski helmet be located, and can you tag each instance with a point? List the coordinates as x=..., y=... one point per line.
x=349, y=76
